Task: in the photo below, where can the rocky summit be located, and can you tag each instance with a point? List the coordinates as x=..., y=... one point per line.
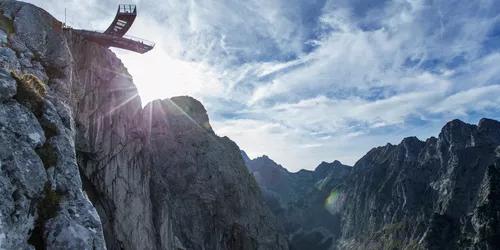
x=84, y=166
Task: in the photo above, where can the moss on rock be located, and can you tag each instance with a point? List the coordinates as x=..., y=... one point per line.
x=31, y=92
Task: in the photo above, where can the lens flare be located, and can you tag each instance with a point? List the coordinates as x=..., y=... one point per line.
x=335, y=200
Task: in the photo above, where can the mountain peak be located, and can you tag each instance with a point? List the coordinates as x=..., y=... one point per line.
x=486, y=123
x=325, y=168
x=456, y=124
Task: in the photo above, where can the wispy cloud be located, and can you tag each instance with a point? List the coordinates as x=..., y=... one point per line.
x=310, y=145
x=307, y=81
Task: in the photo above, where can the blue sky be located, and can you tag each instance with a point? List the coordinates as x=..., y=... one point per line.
x=305, y=81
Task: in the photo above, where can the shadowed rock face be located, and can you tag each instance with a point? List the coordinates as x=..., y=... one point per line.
x=437, y=194
x=298, y=200
x=215, y=202
x=114, y=176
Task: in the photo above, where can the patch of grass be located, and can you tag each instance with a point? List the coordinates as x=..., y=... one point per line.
x=31, y=92
x=47, y=209
x=393, y=244
x=6, y=24
x=389, y=228
x=50, y=203
x=395, y=226
x=32, y=81
x=386, y=237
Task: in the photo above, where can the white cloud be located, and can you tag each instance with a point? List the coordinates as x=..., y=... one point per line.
x=310, y=145
x=373, y=68
x=476, y=99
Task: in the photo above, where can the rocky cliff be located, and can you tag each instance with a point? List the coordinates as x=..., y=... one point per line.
x=83, y=166
x=300, y=201
x=441, y=193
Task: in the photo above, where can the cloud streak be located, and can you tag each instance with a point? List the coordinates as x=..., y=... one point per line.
x=311, y=81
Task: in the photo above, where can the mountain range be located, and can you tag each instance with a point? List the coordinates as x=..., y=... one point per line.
x=441, y=193
x=83, y=165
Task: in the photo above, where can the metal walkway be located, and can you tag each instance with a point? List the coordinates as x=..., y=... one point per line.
x=115, y=36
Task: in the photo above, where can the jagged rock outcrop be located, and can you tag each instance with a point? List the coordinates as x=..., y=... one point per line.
x=215, y=202
x=437, y=194
x=300, y=200
x=88, y=168
x=42, y=201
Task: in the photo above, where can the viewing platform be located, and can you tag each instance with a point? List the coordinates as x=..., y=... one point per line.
x=114, y=35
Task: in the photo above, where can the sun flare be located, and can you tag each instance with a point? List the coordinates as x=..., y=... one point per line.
x=159, y=76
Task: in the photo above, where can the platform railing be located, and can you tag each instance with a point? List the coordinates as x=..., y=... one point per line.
x=127, y=8
x=101, y=33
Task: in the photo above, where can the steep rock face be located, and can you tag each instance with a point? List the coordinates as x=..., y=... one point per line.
x=215, y=201
x=42, y=204
x=300, y=200
x=112, y=147
x=435, y=194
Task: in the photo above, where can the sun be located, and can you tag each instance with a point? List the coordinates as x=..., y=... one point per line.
x=158, y=76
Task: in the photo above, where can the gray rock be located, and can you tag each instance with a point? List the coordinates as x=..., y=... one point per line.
x=39, y=152
x=38, y=34
x=76, y=224
x=8, y=59
x=485, y=220
x=22, y=175
x=7, y=85
x=20, y=122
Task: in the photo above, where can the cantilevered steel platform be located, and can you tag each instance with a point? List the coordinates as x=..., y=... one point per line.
x=114, y=35
x=124, y=42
